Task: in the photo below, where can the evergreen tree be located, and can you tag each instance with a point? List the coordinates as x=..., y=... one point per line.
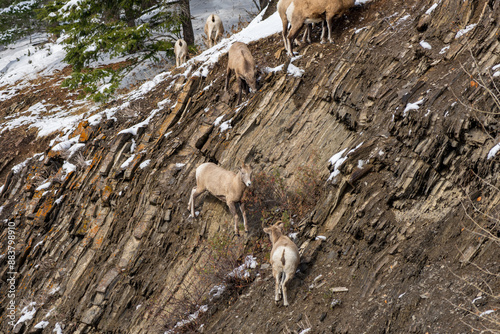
x=18, y=19
x=94, y=29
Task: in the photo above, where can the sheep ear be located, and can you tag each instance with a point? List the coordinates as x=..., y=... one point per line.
x=281, y=225
x=267, y=230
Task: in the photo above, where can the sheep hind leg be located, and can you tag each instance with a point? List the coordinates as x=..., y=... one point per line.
x=306, y=38
x=277, y=288
x=323, y=33
x=284, y=282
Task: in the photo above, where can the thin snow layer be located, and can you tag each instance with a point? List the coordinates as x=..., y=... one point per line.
x=22, y=61
x=27, y=313
x=337, y=160
x=44, y=186
x=431, y=8
x=217, y=291
x=134, y=129
x=42, y=324
x=17, y=168
x=493, y=151
x=243, y=270
x=462, y=32
x=145, y=164
x=192, y=317
x=57, y=329
x=36, y=117
x=412, y=106
x=128, y=162
x=68, y=168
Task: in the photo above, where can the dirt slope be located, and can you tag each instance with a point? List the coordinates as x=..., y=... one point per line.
x=409, y=226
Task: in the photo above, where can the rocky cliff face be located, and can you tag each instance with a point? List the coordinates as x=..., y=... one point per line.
x=409, y=225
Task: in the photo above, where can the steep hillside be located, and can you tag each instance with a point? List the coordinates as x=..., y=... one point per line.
x=398, y=123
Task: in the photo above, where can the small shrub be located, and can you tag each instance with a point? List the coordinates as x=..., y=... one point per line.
x=270, y=199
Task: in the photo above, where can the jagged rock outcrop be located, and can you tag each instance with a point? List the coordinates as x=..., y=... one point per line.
x=105, y=245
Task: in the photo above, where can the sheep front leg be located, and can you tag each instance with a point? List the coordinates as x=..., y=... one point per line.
x=329, y=22
x=294, y=31
x=240, y=88
x=232, y=208
x=228, y=74
x=244, y=214
x=284, y=33
x=194, y=193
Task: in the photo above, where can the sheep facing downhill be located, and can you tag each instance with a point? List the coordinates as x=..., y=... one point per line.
x=213, y=29
x=282, y=7
x=284, y=258
x=226, y=185
x=241, y=61
x=181, y=51
x=313, y=11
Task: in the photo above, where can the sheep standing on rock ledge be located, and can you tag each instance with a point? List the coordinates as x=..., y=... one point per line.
x=284, y=258
x=213, y=29
x=241, y=61
x=313, y=11
x=227, y=186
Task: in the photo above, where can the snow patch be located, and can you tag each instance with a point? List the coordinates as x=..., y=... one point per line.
x=57, y=329
x=145, y=164
x=243, y=270
x=44, y=186
x=42, y=324
x=27, y=313
x=464, y=31
x=425, y=45
x=494, y=150
x=412, y=106
x=337, y=160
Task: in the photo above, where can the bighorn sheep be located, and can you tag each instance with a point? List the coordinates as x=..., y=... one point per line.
x=227, y=186
x=181, y=51
x=282, y=7
x=240, y=61
x=284, y=259
x=313, y=11
x=213, y=29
